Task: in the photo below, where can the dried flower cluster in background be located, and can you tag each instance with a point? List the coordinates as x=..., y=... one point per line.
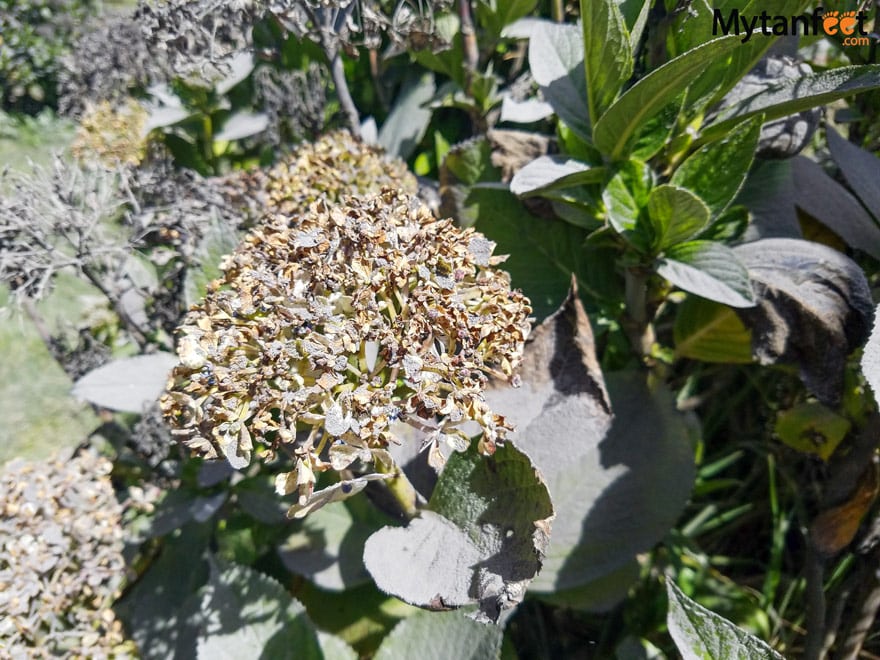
x=323, y=333
x=335, y=166
x=61, y=563
x=115, y=134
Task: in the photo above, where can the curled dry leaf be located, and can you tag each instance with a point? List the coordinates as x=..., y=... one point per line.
x=814, y=309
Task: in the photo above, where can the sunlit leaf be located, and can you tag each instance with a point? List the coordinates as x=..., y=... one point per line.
x=812, y=428
x=711, y=332
x=480, y=541
x=129, y=384
x=700, y=634
x=710, y=270
x=441, y=636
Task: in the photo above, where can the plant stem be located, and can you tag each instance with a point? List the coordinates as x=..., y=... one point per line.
x=639, y=330
x=337, y=71
x=400, y=488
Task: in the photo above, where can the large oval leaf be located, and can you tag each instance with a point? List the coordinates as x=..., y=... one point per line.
x=129, y=385
x=552, y=173
x=556, y=59
x=481, y=540
x=441, y=636
x=618, y=482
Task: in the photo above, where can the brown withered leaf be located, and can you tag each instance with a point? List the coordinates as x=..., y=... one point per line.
x=835, y=528
x=814, y=308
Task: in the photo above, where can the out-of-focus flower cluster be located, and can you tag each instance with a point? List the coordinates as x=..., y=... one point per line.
x=195, y=38
x=115, y=134
x=330, y=326
x=335, y=166
x=61, y=563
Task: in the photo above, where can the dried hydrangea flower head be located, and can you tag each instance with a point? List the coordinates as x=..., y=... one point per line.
x=61, y=563
x=334, y=166
x=321, y=335
x=115, y=134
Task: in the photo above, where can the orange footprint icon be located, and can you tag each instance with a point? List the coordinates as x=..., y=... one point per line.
x=830, y=21
x=848, y=22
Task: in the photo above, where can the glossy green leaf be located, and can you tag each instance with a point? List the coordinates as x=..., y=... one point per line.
x=676, y=215
x=556, y=59
x=635, y=15
x=618, y=127
x=128, y=384
x=812, y=428
x=441, y=636
x=495, y=15
x=608, y=60
x=553, y=173
x=700, y=634
x=710, y=270
x=717, y=171
x=790, y=96
x=242, y=125
x=709, y=331
x=621, y=209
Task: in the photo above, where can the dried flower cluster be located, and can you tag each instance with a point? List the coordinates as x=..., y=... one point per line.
x=61, y=562
x=323, y=333
x=335, y=166
x=109, y=60
x=114, y=134
x=195, y=38
x=294, y=101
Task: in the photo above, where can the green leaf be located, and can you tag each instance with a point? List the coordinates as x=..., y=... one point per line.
x=128, y=384
x=242, y=125
x=441, y=636
x=479, y=541
x=676, y=215
x=618, y=481
x=556, y=59
x=543, y=253
x=246, y=612
x=219, y=240
x=711, y=332
x=859, y=168
x=608, y=59
x=408, y=120
x=618, y=127
x=710, y=270
x=621, y=209
x=635, y=15
x=700, y=634
x=553, y=173
x=495, y=15
x=790, y=96
x=328, y=549
x=716, y=172
x=723, y=73
x=156, y=611
x=812, y=428
x=834, y=206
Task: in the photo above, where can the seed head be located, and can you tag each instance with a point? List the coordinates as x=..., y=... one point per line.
x=322, y=334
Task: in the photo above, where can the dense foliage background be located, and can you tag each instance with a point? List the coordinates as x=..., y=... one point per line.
x=694, y=218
